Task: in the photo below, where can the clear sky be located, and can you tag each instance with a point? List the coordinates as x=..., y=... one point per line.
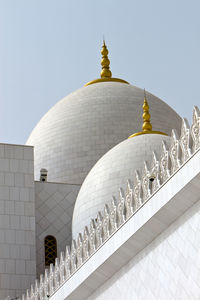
x=49, y=48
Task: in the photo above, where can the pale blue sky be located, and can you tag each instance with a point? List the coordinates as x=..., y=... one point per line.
x=51, y=48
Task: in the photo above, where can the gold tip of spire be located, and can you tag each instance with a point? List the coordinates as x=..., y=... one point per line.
x=146, y=115
x=106, y=74
x=105, y=62
x=147, y=127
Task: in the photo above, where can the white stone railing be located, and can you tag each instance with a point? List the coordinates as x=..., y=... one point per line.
x=114, y=215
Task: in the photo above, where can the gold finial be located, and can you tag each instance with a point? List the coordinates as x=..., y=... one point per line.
x=105, y=62
x=106, y=74
x=147, y=127
x=146, y=115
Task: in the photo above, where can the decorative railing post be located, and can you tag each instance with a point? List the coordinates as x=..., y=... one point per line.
x=85, y=243
x=67, y=262
x=51, y=279
x=28, y=295
x=99, y=230
x=154, y=176
x=121, y=207
x=113, y=215
x=165, y=163
x=57, y=273
x=185, y=140
x=175, y=151
x=106, y=223
x=73, y=257
x=145, y=182
x=36, y=290
x=46, y=284
x=62, y=268
x=129, y=200
x=195, y=129
x=92, y=237
x=41, y=287
x=79, y=250
x=137, y=192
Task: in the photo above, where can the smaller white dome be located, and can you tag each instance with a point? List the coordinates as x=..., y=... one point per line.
x=110, y=173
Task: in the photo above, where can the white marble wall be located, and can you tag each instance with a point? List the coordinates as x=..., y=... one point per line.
x=17, y=219
x=54, y=210
x=168, y=268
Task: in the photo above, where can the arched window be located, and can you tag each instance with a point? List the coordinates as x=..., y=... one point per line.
x=50, y=250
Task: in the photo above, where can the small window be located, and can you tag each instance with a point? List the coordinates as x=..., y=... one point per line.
x=50, y=248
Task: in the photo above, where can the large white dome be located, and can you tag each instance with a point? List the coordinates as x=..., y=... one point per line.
x=83, y=126
x=112, y=172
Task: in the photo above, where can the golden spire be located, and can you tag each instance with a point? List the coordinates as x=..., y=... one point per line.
x=146, y=115
x=105, y=62
x=147, y=127
x=106, y=74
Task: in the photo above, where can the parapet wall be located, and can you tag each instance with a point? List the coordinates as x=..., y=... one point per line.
x=119, y=211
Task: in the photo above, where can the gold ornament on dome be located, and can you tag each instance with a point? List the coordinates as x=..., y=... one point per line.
x=147, y=127
x=106, y=74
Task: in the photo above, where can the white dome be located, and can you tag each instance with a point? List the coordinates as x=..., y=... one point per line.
x=83, y=126
x=112, y=172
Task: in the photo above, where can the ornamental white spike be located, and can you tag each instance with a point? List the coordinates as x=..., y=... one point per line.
x=85, y=243
x=62, y=268
x=145, y=182
x=73, y=256
x=113, y=215
x=129, y=200
x=27, y=295
x=41, y=287
x=165, y=163
x=121, y=208
x=46, y=283
x=185, y=140
x=79, y=250
x=195, y=129
x=137, y=192
x=154, y=176
x=67, y=262
x=92, y=236
x=99, y=230
x=36, y=290
x=51, y=279
x=32, y=292
x=175, y=151
x=106, y=223
x=56, y=273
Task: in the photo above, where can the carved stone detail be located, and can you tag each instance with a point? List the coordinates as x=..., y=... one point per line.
x=92, y=237
x=154, y=176
x=195, y=129
x=106, y=223
x=62, y=268
x=73, y=256
x=85, y=243
x=175, y=152
x=67, y=262
x=137, y=192
x=79, y=250
x=99, y=230
x=185, y=140
x=113, y=215
x=51, y=279
x=120, y=208
x=145, y=183
x=129, y=200
x=165, y=163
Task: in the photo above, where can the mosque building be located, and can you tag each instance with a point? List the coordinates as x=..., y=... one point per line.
x=103, y=201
